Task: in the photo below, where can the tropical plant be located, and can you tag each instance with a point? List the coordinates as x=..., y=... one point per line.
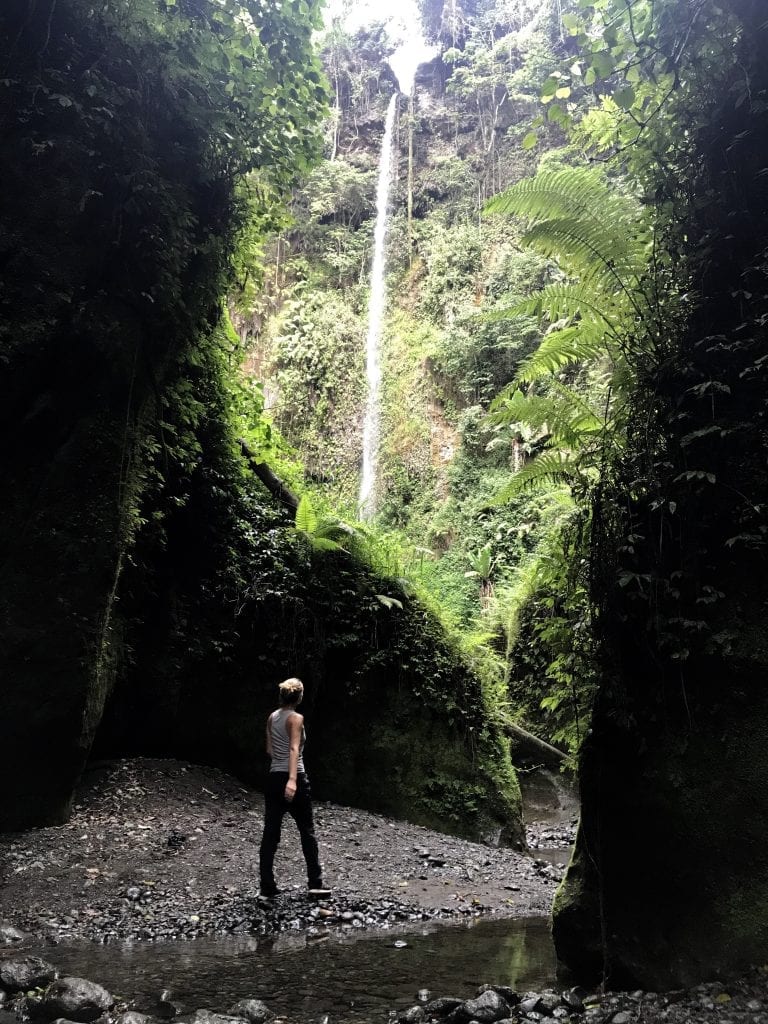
x=602, y=241
x=323, y=532
x=483, y=564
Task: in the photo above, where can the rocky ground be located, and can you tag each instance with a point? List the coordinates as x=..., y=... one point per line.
x=163, y=849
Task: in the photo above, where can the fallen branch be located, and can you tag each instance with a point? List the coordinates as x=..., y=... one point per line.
x=531, y=744
x=271, y=481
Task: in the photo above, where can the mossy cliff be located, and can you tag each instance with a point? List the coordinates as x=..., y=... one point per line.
x=669, y=883
x=396, y=723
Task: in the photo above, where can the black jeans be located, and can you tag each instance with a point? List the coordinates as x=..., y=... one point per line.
x=300, y=809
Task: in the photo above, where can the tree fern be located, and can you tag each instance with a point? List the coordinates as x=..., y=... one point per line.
x=600, y=237
x=592, y=227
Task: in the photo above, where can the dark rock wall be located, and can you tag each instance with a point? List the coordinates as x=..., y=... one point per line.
x=669, y=884
x=82, y=342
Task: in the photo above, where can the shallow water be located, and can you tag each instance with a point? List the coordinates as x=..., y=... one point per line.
x=351, y=981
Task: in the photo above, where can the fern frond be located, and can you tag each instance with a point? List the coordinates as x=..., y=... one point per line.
x=556, y=301
x=588, y=250
x=575, y=344
x=564, y=415
x=548, y=468
x=306, y=517
x=591, y=226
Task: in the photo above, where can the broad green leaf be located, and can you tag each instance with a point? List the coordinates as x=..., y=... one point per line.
x=624, y=97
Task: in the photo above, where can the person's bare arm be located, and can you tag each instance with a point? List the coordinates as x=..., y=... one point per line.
x=269, y=736
x=293, y=727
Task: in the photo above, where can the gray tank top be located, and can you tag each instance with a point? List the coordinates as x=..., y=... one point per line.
x=278, y=727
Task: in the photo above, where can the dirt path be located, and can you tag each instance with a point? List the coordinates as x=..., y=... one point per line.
x=165, y=849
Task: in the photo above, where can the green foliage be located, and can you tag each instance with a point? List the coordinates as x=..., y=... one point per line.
x=602, y=242
x=327, y=533
x=545, y=617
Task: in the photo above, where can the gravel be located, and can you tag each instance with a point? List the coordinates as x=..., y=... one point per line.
x=166, y=850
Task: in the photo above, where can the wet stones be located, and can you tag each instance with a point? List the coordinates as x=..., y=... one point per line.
x=9, y=935
x=132, y=1017
x=75, y=999
x=253, y=1010
x=25, y=973
x=441, y=1007
x=208, y=1017
x=413, y=1015
x=573, y=999
x=486, y=1009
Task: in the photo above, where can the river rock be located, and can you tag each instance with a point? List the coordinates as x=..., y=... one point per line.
x=253, y=1010
x=509, y=994
x=413, y=1015
x=9, y=935
x=548, y=1001
x=486, y=1009
x=530, y=1004
x=574, y=999
x=207, y=1017
x=442, y=1007
x=132, y=1017
x=25, y=973
x=75, y=999
x=622, y=1017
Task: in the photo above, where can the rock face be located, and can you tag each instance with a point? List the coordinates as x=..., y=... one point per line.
x=75, y=999
x=74, y=404
x=669, y=882
x=675, y=825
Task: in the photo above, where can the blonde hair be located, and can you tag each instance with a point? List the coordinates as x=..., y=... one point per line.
x=291, y=691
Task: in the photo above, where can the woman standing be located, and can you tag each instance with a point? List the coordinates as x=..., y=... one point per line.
x=287, y=789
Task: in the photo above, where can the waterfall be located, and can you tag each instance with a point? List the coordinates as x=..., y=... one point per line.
x=367, y=500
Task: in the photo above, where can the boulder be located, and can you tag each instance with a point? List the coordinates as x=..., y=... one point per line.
x=509, y=994
x=548, y=1001
x=26, y=972
x=486, y=1009
x=253, y=1010
x=75, y=999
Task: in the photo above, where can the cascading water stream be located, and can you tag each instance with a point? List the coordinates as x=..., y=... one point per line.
x=367, y=501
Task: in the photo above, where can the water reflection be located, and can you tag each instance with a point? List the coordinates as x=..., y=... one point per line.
x=350, y=981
